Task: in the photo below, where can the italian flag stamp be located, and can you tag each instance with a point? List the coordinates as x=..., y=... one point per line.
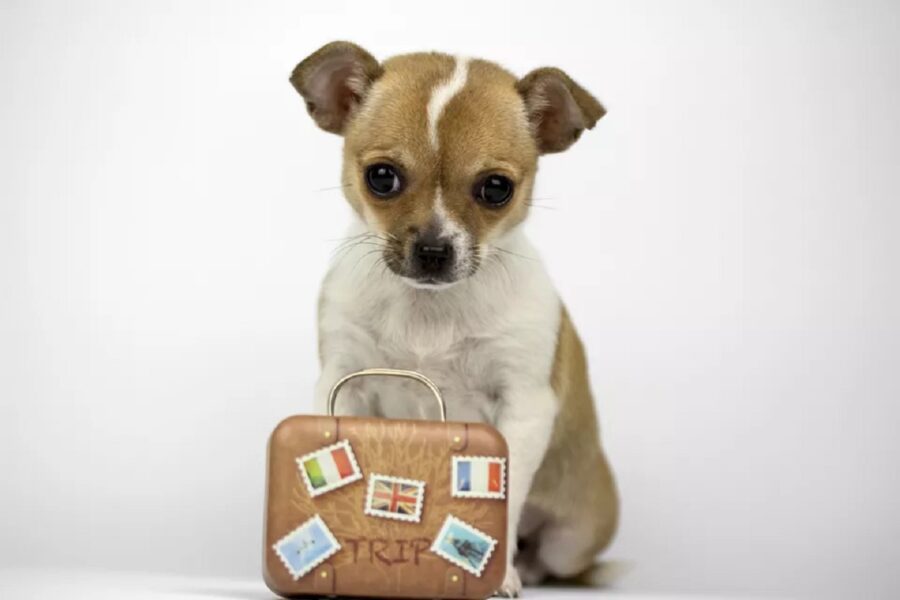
x=329, y=468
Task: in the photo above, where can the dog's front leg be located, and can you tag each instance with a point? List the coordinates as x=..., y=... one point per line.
x=526, y=421
x=352, y=399
x=332, y=370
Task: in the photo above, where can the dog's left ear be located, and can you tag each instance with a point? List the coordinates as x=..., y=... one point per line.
x=334, y=80
x=559, y=109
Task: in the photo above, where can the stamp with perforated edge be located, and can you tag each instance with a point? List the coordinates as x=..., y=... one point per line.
x=395, y=498
x=464, y=546
x=329, y=468
x=478, y=477
x=306, y=547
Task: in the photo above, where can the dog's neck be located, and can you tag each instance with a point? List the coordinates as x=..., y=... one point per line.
x=510, y=285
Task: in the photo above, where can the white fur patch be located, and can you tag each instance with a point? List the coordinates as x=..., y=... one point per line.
x=496, y=330
x=448, y=226
x=488, y=342
x=453, y=231
x=441, y=96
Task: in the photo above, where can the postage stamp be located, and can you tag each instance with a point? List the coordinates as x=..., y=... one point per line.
x=478, y=477
x=306, y=547
x=464, y=546
x=395, y=498
x=329, y=468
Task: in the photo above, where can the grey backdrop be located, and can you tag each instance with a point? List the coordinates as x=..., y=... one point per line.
x=725, y=239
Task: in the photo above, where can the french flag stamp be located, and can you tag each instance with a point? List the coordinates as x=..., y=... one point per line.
x=329, y=468
x=479, y=477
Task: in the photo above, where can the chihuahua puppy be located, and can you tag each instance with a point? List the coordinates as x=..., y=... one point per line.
x=439, y=160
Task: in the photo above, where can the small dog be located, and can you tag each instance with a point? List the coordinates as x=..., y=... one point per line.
x=440, y=155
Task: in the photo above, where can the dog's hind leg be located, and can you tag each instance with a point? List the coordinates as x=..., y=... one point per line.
x=579, y=514
x=565, y=550
x=527, y=560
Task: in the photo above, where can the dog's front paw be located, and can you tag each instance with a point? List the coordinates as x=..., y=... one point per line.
x=512, y=584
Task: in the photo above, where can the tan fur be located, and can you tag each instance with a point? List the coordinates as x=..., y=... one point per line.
x=333, y=81
x=498, y=124
x=573, y=489
x=479, y=134
x=559, y=109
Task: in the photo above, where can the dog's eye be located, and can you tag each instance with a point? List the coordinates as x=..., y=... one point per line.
x=384, y=180
x=494, y=190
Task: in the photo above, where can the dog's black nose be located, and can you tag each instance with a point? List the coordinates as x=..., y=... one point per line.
x=433, y=256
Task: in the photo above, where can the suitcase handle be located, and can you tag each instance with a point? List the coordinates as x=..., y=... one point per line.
x=332, y=396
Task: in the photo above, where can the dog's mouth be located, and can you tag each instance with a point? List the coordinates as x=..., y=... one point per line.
x=429, y=283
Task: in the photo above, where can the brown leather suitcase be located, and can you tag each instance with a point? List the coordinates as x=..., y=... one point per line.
x=385, y=508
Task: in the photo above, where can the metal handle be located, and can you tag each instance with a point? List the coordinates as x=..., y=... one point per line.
x=332, y=396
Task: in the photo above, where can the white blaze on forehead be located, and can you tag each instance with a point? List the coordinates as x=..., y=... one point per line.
x=450, y=229
x=442, y=94
x=447, y=225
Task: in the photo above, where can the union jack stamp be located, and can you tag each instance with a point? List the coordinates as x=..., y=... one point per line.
x=395, y=498
x=306, y=547
x=478, y=477
x=464, y=546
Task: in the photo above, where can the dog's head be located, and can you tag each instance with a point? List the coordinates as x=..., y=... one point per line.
x=440, y=153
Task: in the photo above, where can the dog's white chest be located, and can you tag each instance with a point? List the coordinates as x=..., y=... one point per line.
x=474, y=340
x=469, y=392
x=444, y=350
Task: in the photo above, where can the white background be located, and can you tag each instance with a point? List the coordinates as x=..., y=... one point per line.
x=725, y=239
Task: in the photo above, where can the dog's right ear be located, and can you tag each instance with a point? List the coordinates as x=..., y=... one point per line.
x=333, y=81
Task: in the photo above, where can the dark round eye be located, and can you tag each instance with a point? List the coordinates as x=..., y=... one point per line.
x=494, y=190
x=384, y=180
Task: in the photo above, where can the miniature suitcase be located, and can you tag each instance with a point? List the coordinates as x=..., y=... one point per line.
x=385, y=508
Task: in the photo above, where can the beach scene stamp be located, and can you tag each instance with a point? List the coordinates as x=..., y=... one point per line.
x=464, y=546
x=306, y=547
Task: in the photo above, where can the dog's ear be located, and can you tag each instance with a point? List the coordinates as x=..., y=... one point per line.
x=559, y=109
x=333, y=81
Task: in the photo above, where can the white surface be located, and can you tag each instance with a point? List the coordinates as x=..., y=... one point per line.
x=37, y=584
x=725, y=239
